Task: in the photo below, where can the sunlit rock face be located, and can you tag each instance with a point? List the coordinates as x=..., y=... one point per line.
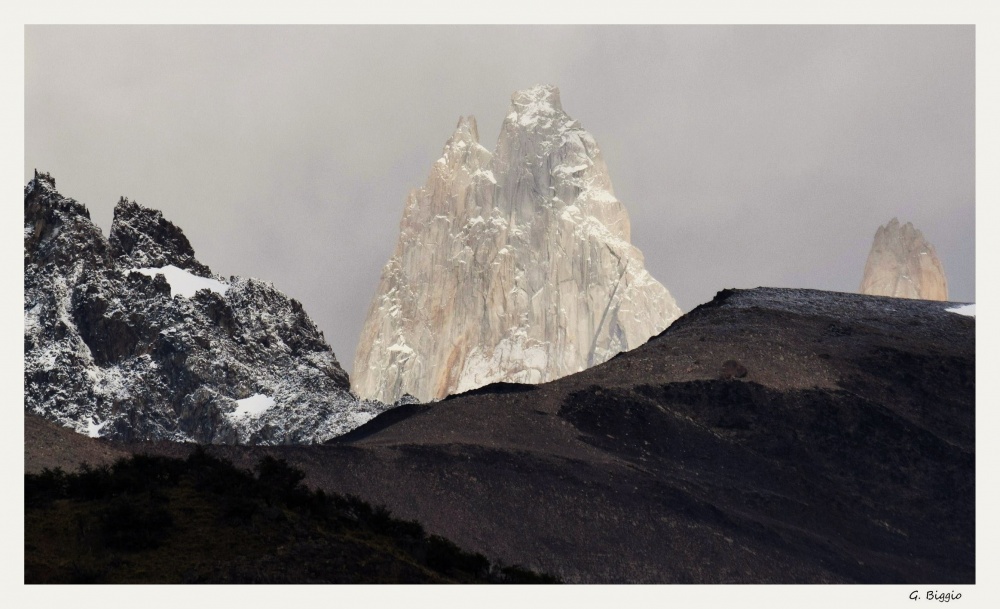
x=514, y=266
x=904, y=265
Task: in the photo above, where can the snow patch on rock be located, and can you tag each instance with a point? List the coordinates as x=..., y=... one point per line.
x=94, y=429
x=252, y=407
x=967, y=309
x=183, y=283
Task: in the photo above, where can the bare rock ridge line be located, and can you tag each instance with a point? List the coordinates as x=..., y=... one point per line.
x=903, y=264
x=129, y=337
x=511, y=266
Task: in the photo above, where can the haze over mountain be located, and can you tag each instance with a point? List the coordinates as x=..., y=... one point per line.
x=902, y=263
x=515, y=266
x=275, y=147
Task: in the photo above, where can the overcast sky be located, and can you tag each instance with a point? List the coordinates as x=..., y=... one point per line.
x=746, y=156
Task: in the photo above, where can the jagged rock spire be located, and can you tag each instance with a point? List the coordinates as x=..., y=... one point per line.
x=467, y=125
x=513, y=266
x=45, y=177
x=141, y=237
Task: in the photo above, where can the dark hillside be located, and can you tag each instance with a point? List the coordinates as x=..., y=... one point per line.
x=770, y=436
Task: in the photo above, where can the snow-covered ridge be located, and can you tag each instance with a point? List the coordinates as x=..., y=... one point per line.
x=130, y=337
x=536, y=106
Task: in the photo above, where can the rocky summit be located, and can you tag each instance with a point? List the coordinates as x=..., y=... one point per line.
x=903, y=264
x=511, y=266
x=129, y=337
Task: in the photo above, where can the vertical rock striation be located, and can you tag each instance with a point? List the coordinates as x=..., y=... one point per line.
x=904, y=265
x=514, y=266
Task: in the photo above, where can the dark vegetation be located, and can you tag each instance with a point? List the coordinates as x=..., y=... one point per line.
x=152, y=519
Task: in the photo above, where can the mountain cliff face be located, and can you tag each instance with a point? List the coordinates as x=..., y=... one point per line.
x=514, y=266
x=904, y=265
x=130, y=337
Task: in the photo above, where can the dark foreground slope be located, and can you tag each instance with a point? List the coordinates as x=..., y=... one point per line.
x=50, y=445
x=773, y=435
x=149, y=519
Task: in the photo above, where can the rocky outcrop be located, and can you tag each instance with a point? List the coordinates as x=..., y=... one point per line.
x=132, y=338
x=514, y=266
x=142, y=238
x=903, y=264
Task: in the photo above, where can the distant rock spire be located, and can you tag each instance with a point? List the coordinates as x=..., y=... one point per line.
x=467, y=124
x=903, y=264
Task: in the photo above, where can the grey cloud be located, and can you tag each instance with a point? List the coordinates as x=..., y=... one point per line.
x=745, y=155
